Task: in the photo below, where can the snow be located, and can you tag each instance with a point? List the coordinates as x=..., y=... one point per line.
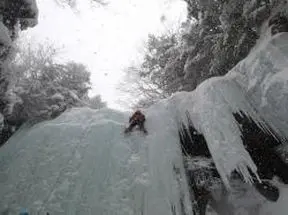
x=217, y=99
x=263, y=76
x=58, y=97
x=73, y=95
x=81, y=163
x=13, y=99
x=211, y=107
x=257, y=87
x=278, y=208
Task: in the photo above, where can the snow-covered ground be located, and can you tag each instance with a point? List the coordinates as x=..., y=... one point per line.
x=81, y=163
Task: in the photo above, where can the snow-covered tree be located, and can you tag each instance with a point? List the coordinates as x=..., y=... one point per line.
x=140, y=87
x=157, y=75
x=15, y=15
x=215, y=37
x=42, y=88
x=96, y=102
x=227, y=30
x=22, y=12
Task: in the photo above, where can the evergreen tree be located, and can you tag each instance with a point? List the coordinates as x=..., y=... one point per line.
x=215, y=37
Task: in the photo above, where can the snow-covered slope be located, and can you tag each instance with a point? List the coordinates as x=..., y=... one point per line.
x=81, y=163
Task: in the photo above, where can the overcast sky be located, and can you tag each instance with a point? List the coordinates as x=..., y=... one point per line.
x=104, y=38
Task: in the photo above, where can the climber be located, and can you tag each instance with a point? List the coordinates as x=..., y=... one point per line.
x=137, y=119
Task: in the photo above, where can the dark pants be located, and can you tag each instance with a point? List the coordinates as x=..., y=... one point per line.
x=135, y=123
